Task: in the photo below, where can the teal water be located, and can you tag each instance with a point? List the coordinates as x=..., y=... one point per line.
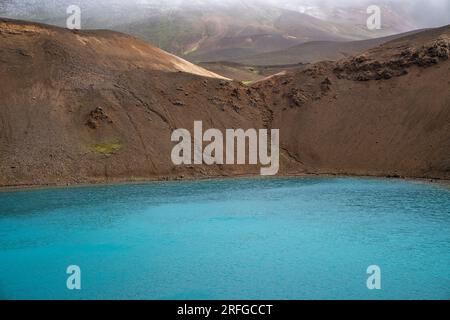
x=296, y=238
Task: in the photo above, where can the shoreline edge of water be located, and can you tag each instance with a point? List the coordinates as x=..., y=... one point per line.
x=136, y=180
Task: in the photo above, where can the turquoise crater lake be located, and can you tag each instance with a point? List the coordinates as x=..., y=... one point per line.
x=292, y=238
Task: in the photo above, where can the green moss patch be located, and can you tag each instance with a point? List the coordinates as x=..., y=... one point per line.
x=106, y=148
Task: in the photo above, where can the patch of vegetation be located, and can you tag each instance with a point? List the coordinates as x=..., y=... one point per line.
x=247, y=82
x=106, y=148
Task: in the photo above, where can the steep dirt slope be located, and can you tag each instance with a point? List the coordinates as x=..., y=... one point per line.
x=384, y=112
x=93, y=106
x=78, y=107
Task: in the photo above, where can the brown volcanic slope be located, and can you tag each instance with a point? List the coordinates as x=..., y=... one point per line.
x=384, y=112
x=79, y=107
x=93, y=106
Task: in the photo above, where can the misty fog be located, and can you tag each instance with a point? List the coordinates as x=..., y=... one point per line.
x=426, y=13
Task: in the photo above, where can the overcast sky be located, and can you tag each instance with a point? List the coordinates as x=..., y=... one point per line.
x=426, y=13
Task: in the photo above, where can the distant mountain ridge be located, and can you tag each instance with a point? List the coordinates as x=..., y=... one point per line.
x=211, y=31
x=311, y=52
